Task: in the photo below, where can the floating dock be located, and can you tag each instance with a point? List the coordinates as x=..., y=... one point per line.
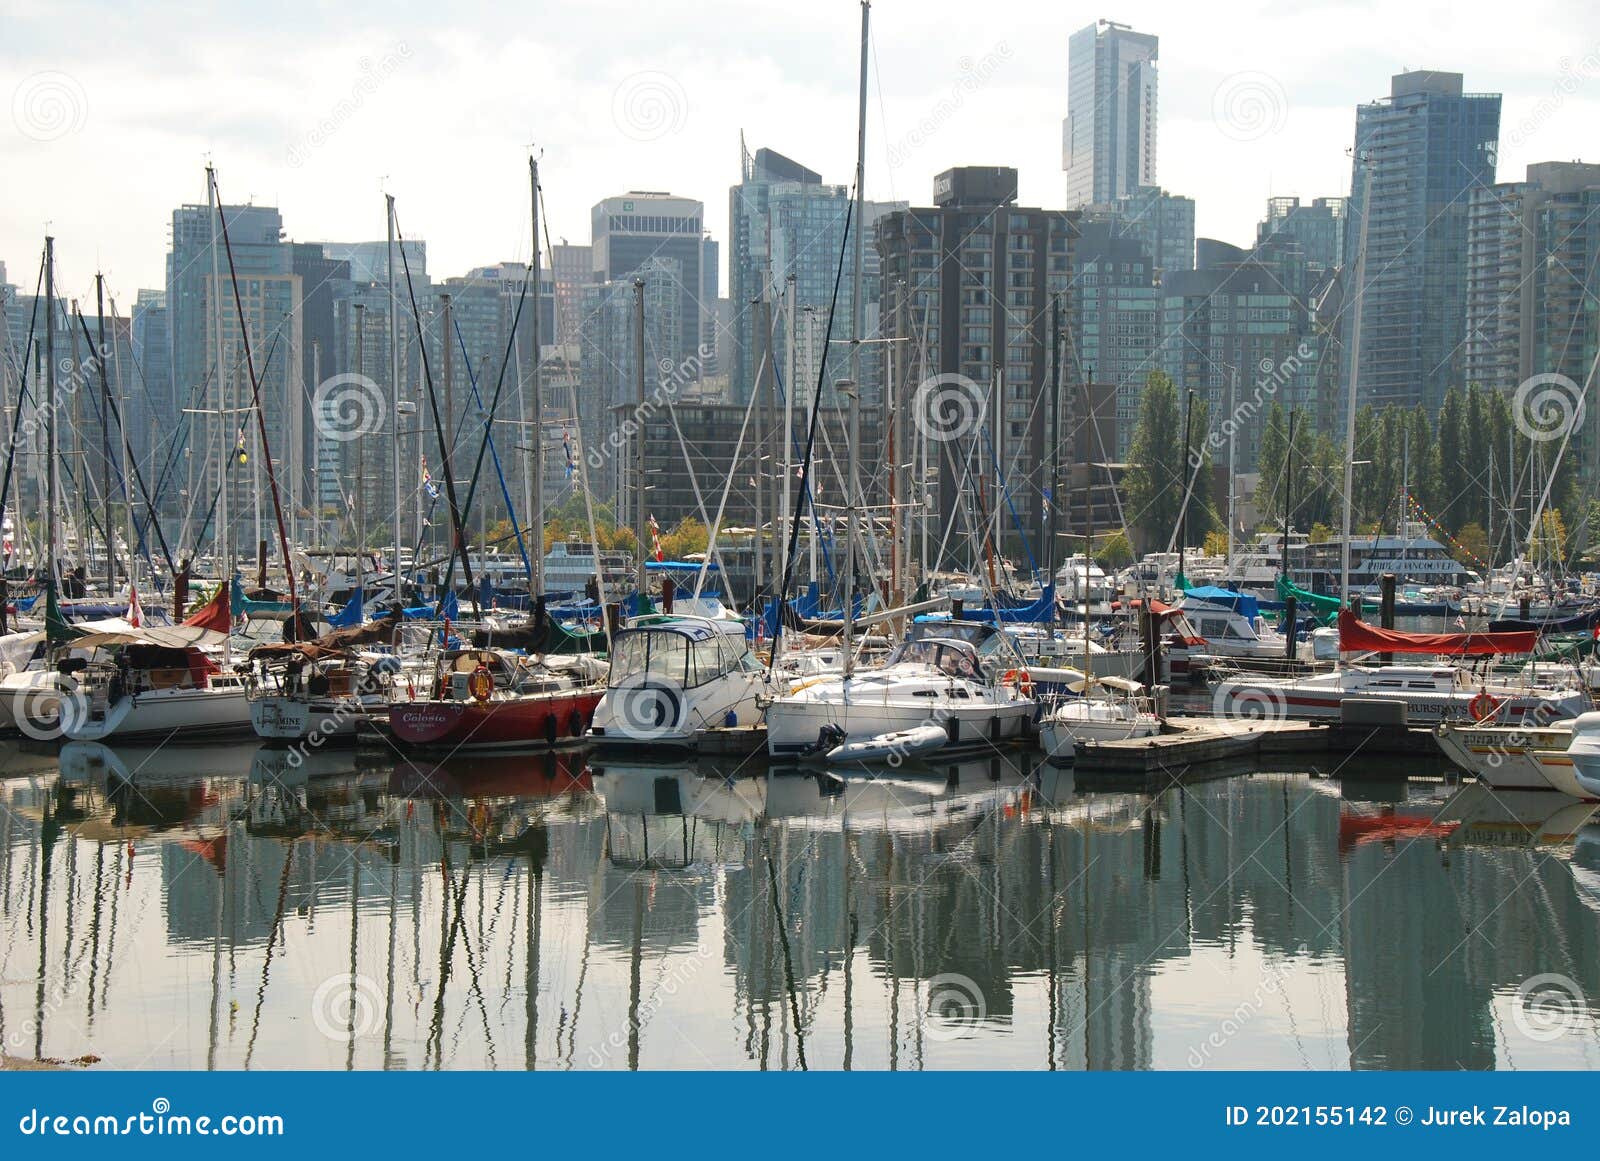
x=1196, y=748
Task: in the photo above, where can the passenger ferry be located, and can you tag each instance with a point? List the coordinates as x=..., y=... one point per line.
x=569, y=566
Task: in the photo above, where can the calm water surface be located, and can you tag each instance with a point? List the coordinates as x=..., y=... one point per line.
x=216, y=907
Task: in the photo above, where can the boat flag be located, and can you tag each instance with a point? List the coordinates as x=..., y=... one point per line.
x=238, y=449
x=135, y=609
x=566, y=446
x=655, y=540
x=428, y=485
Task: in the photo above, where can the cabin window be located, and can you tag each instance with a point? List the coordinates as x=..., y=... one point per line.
x=705, y=662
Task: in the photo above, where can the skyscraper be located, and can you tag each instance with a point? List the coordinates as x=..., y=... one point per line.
x=967, y=290
x=1115, y=319
x=631, y=230
x=1108, y=141
x=1319, y=228
x=1419, y=153
x=784, y=221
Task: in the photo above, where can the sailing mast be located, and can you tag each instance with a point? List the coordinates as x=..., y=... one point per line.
x=642, y=580
x=1350, y=387
x=51, y=459
x=394, y=401
x=220, y=539
x=852, y=498
x=536, y=502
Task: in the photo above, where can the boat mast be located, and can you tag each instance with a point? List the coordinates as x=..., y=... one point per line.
x=856, y=316
x=1288, y=476
x=536, y=407
x=394, y=398
x=641, y=580
x=1183, y=511
x=1354, y=378
x=105, y=436
x=51, y=485
x=1233, y=438
x=221, y=539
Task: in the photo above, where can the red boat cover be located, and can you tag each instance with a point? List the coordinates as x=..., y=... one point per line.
x=1359, y=637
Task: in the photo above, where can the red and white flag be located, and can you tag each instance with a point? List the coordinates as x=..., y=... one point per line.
x=135, y=609
x=655, y=540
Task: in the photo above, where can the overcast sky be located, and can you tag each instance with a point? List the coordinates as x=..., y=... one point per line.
x=318, y=107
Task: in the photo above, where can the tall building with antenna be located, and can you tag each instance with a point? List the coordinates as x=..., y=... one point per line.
x=1108, y=140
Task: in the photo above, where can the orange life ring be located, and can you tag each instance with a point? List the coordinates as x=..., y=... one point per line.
x=1482, y=706
x=481, y=683
x=1021, y=679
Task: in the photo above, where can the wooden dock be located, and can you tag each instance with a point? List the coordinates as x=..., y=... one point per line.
x=1195, y=748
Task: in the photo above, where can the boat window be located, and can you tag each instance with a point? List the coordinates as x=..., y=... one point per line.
x=663, y=654
x=705, y=662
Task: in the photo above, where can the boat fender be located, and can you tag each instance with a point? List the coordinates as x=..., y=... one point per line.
x=481, y=683
x=551, y=730
x=575, y=725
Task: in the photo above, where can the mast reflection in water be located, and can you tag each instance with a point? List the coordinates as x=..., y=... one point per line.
x=229, y=907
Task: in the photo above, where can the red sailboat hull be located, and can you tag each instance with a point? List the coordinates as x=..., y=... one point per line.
x=540, y=719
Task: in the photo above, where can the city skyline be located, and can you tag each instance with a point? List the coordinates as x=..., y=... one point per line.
x=1265, y=111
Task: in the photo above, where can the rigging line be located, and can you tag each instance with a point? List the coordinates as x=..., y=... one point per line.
x=809, y=500
x=255, y=391
x=722, y=504
x=229, y=458
x=1005, y=494
x=113, y=412
x=438, y=427
x=805, y=460
x=22, y=392
x=505, y=491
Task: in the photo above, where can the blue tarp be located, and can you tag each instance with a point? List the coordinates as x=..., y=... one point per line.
x=1245, y=606
x=351, y=614
x=1038, y=612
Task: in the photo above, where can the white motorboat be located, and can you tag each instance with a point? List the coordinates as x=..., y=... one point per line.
x=1111, y=710
x=935, y=677
x=674, y=677
x=1516, y=757
x=1584, y=752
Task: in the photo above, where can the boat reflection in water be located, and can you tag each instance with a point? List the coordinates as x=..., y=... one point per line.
x=236, y=907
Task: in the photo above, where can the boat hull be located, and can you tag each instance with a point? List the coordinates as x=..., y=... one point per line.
x=167, y=714
x=282, y=719
x=539, y=720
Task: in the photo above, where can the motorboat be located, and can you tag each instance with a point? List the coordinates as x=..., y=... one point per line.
x=1523, y=757
x=673, y=677
x=1110, y=710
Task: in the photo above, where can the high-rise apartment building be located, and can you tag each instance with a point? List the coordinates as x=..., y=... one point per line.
x=1108, y=140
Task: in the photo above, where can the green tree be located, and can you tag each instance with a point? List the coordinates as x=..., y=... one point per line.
x=1157, y=466
x=1115, y=552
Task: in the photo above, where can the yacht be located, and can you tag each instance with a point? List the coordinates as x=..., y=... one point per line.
x=310, y=691
x=1229, y=624
x=942, y=674
x=1080, y=580
x=1584, y=750
x=570, y=566
x=675, y=676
